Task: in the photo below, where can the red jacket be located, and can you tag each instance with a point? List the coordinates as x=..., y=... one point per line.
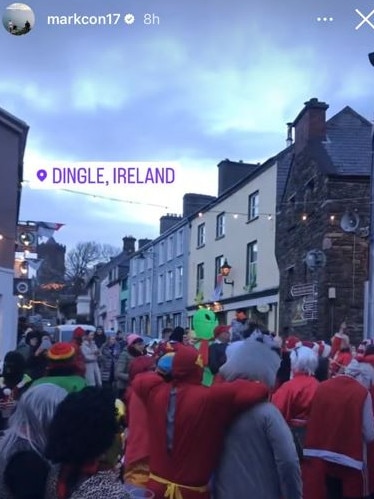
x=186, y=441
x=340, y=360
x=338, y=402
x=137, y=442
x=294, y=398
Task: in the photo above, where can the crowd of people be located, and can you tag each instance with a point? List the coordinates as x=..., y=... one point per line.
x=216, y=411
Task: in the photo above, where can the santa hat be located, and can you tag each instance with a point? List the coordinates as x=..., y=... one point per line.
x=292, y=342
x=323, y=349
x=133, y=338
x=339, y=341
x=61, y=352
x=221, y=329
x=79, y=333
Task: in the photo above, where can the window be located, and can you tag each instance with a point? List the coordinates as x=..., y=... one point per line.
x=200, y=235
x=133, y=325
x=133, y=263
x=141, y=264
x=251, y=276
x=160, y=288
x=180, y=242
x=177, y=320
x=123, y=306
x=160, y=325
x=161, y=255
x=141, y=325
x=133, y=294
x=220, y=225
x=200, y=278
x=218, y=262
x=149, y=259
x=170, y=252
x=124, y=284
x=253, y=206
x=141, y=293
x=178, y=282
x=169, y=286
x=148, y=290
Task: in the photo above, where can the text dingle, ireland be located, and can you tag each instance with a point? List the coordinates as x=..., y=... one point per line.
x=107, y=176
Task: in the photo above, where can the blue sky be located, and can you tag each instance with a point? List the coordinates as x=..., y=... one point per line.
x=212, y=81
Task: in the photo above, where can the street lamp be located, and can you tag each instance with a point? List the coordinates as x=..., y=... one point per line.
x=370, y=315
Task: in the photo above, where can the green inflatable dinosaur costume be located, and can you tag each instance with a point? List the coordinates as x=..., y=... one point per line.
x=204, y=322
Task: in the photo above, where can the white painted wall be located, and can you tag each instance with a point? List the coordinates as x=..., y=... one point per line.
x=233, y=246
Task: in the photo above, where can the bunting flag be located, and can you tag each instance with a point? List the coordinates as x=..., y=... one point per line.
x=218, y=290
x=47, y=229
x=34, y=264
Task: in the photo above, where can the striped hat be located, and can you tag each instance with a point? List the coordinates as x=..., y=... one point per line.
x=61, y=352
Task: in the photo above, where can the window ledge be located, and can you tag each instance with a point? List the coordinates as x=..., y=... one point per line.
x=201, y=246
x=250, y=220
x=220, y=237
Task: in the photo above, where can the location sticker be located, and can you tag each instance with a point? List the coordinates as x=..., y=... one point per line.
x=42, y=175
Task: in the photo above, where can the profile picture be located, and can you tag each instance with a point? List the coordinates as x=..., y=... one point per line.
x=18, y=19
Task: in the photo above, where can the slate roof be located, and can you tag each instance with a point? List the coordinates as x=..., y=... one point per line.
x=348, y=144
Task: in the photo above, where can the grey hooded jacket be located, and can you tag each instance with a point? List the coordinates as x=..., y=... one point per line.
x=259, y=458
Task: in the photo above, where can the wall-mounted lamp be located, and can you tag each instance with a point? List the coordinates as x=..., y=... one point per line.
x=225, y=271
x=24, y=267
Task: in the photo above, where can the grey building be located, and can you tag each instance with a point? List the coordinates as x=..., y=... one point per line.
x=157, y=279
x=322, y=224
x=13, y=135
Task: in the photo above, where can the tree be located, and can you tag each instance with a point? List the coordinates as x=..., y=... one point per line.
x=83, y=257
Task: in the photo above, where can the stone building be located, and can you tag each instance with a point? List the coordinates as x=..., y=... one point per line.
x=322, y=224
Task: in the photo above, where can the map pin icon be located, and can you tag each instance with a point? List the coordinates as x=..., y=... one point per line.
x=41, y=174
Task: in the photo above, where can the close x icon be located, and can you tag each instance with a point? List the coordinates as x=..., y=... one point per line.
x=365, y=19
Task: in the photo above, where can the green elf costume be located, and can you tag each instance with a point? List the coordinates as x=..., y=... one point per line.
x=204, y=322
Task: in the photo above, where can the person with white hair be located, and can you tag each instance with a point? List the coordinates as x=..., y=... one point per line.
x=259, y=458
x=23, y=468
x=340, y=426
x=294, y=398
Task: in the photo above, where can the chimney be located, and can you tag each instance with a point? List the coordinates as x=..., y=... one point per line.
x=310, y=125
x=231, y=172
x=194, y=202
x=289, y=140
x=143, y=242
x=128, y=244
x=168, y=221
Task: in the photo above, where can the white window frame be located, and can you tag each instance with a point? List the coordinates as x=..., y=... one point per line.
x=141, y=292
x=178, y=283
x=160, y=288
x=200, y=281
x=170, y=248
x=133, y=294
x=169, y=286
x=220, y=225
x=201, y=235
x=148, y=291
x=253, y=205
x=252, y=261
x=161, y=254
x=179, y=249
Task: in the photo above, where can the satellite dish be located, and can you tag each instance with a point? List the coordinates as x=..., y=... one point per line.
x=349, y=221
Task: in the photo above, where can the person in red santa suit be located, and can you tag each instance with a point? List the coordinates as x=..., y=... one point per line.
x=340, y=426
x=188, y=423
x=341, y=354
x=294, y=398
x=77, y=338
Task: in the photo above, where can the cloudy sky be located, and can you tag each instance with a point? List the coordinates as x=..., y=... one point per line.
x=215, y=79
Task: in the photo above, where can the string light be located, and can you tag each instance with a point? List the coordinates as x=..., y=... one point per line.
x=304, y=217
x=106, y=198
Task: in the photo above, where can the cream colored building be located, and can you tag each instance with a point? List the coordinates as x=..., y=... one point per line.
x=238, y=228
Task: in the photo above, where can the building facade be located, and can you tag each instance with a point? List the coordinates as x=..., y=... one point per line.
x=238, y=230
x=158, y=279
x=13, y=135
x=322, y=225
